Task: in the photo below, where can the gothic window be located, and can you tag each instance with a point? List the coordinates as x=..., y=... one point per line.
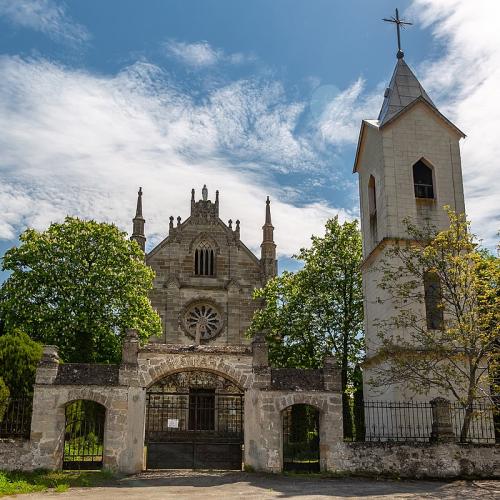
x=422, y=180
x=433, y=301
x=204, y=260
x=372, y=207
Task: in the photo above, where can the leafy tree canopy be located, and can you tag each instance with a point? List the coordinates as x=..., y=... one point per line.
x=78, y=285
x=459, y=353
x=317, y=310
x=19, y=357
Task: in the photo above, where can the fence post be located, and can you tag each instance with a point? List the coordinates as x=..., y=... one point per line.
x=442, y=430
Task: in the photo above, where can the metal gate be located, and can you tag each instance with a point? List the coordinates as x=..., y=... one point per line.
x=84, y=435
x=196, y=430
x=301, y=439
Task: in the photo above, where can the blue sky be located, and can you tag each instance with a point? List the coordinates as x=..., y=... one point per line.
x=252, y=98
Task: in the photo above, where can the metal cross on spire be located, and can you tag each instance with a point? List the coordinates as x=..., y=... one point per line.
x=400, y=23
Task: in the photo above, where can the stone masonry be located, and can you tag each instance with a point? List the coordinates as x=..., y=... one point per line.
x=226, y=285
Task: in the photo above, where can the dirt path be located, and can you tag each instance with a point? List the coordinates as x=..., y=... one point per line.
x=221, y=485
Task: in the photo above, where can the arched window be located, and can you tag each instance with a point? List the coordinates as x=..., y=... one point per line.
x=422, y=180
x=204, y=260
x=372, y=207
x=433, y=301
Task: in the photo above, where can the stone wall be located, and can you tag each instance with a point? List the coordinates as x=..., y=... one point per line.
x=417, y=460
x=16, y=454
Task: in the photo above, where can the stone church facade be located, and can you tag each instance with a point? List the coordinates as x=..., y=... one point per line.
x=205, y=275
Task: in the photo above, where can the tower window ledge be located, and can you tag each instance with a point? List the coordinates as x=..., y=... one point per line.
x=425, y=201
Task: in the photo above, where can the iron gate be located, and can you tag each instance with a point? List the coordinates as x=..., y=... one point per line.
x=196, y=430
x=84, y=435
x=301, y=438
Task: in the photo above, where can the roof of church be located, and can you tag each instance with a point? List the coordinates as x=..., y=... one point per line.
x=404, y=92
x=403, y=89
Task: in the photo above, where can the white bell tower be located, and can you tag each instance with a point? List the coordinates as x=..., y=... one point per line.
x=408, y=165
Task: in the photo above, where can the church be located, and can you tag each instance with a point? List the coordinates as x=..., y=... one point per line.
x=205, y=275
x=204, y=395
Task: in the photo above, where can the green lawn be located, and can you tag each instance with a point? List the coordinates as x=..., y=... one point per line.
x=12, y=483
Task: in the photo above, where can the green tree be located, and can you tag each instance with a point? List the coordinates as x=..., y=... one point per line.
x=19, y=357
x=318, y=310
x=78, y=285
x=457, y=353
x=4, y=398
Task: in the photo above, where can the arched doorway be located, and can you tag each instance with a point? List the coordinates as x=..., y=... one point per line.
x=194, y=420
x=301, y=438
x=84, y=435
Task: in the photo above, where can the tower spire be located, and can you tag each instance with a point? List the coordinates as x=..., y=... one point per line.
x=138, y=223
x=268, y=247
x=268, y=211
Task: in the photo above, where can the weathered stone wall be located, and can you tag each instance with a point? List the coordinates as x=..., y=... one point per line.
x=417, y=460
x=238, y=272
x=264, y=425
x=156, y=361
x=16, y=454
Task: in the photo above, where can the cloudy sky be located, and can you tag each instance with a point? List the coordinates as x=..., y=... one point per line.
x=252, y=98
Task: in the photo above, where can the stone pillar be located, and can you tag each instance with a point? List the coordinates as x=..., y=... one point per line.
x=132, y=460
x=331, y=374
x=48, y=419
x=442, y=430
x=260, y=362
x=48, y=366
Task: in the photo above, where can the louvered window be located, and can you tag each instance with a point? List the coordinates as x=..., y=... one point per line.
x=204, y=260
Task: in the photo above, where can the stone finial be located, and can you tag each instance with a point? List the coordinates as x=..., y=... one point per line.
x=442, y=430
x=130, y=347
x=50, y=355
x=48, y=366
x=171, y=223
x=230, y=223
x=192, y=194
x=178, y=221
x=260, y=351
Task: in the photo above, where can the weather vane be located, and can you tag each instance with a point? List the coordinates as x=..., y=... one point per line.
x=400, y=23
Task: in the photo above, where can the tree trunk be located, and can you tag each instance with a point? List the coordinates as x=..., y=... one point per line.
x=464, y=432
x=346, y=403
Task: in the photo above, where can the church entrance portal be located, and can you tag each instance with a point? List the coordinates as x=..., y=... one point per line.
x=194, y=420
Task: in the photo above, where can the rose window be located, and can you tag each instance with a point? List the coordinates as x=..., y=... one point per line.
x=202, y=321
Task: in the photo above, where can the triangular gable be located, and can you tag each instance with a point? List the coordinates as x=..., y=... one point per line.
x=429, y=106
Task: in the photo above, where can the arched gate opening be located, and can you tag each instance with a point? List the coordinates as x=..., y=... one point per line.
x=194, y=420
x=84, y=435
x=301, y=438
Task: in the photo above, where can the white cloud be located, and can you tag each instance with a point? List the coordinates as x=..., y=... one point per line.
x=79, y=144
x=465, y=83
x=341, y=117
x=45, y=16
x=202, y=54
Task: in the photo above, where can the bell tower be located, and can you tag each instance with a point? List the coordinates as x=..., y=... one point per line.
x=408, y=166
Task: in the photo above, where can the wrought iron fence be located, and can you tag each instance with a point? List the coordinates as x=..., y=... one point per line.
x=413, y=421
x=16, y=421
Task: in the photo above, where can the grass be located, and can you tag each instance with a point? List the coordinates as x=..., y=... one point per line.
x=13, y=483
